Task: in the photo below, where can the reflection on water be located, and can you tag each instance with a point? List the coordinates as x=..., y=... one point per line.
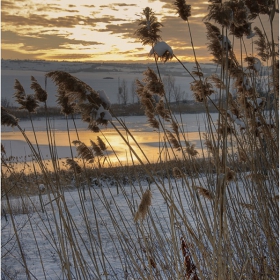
x=152, y=145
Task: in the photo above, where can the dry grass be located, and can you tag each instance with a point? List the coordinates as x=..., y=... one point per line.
x=222, y=213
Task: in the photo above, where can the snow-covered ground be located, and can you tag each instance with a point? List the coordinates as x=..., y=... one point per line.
x=38, y=229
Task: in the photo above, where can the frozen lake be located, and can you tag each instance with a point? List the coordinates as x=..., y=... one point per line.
x=150, y=141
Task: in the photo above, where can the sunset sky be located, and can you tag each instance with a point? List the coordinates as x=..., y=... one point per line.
x=86, y=30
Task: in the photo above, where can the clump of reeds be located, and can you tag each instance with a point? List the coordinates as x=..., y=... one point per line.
x=144, y=205
x=75, y=95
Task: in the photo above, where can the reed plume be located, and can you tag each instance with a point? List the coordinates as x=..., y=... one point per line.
x=73, y=165
x=67, y=107
x=101, y=144
x=93, y=127
x=160, y=109
x=172, y=139
x=177, y=172
x=152, y=83
x=27, y=101
x=221, y=13
x=230, y=175
x=225, y=127
x=216, y=80
x=97, y=150
x=257, y=7
x=209, y=145
x=201, y=90
x=183, y=9
x=262, y=45
x=143, y=208
x=72, y=86
x=190, y=150
x=83, y=151
x=40, y=94
x=149, y=28
x=253, y=63
x=148, y=103
x=92, y=105
x=8, y=119
x=204, y=192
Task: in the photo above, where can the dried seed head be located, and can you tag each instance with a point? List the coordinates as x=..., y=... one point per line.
x=153, y=84
x=191, y=151
x=263, y=46
x=8, y=119
x=240, y=31
x=256, y=8
x=72, y=86
x=217, y=81
x=143, y=208
x=101, y=144
x=183, y=9
x=178, y=173
x=27, y=102
x=30, y=104
x=172, y=139
x=63, y=100
x=97, y=151
x=230, y=174
x=221, y=13
x=83, y=151
x=204, y=192
x=164, y=113
x=213, y=34
x=223, y=127
x=20, y=94
x=253, y=63
x=152, y=120
x=93, y=127
x=74, y=165
x=175, y=127
x=149, y=28
x=201, y=90
x=40, y=94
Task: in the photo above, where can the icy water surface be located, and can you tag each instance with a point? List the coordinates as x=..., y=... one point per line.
x=152, y=145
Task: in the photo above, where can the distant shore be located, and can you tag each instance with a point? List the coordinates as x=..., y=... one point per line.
x=119, y=110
